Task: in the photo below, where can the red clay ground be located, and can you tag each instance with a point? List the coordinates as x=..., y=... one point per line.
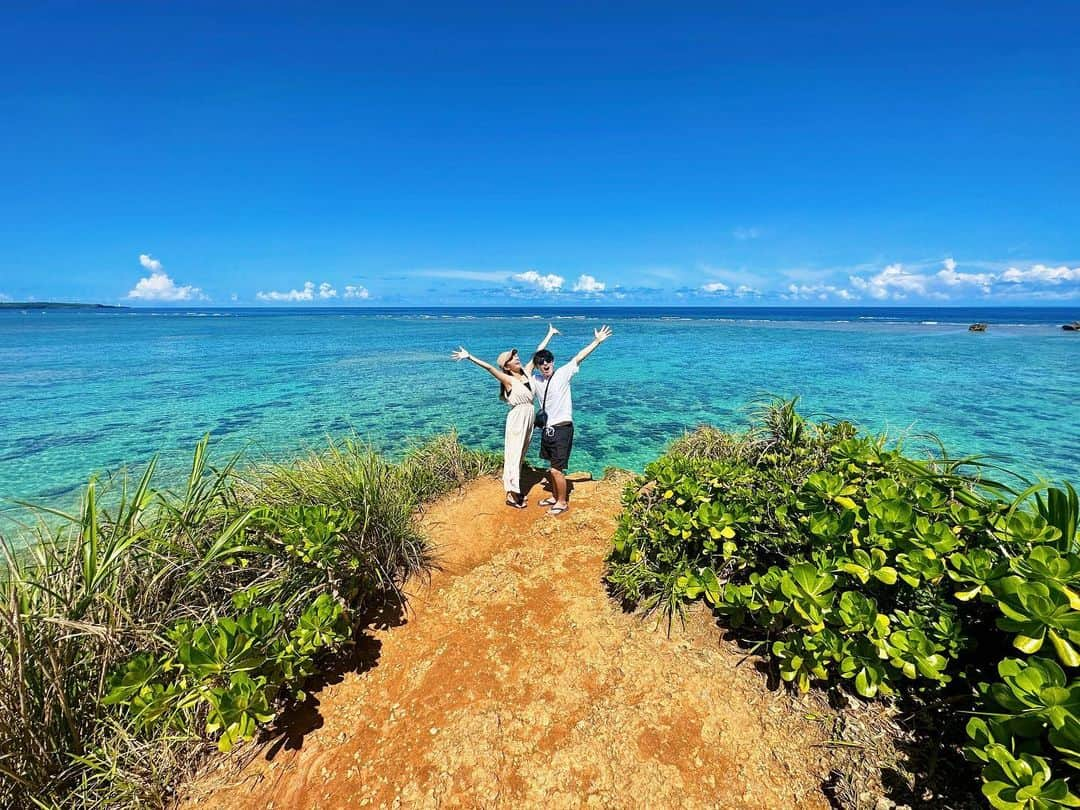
x=517, y=682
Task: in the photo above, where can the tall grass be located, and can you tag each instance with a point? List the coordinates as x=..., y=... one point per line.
x=107, y=698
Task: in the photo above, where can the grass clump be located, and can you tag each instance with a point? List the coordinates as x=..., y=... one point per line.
x=442, y=464
x=133, y=639
x=858, y=568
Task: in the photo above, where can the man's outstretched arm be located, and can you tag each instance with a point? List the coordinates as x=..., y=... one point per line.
x=601, y=334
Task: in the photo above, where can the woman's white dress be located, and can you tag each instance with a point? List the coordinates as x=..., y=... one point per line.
x=519, y=428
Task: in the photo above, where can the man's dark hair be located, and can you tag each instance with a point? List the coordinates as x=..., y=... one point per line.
x=543, y=356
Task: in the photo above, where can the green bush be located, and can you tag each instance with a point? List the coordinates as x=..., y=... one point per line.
x=135, y=637
x=863, y=568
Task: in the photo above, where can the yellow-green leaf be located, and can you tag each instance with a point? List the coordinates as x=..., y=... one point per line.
x=1028, y=644
x=1065, y=651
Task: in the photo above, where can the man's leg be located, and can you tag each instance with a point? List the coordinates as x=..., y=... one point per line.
x=560, y=458
x=558, y=487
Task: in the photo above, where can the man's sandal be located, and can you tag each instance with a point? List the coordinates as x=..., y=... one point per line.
x=547, y=502
x=556, y=510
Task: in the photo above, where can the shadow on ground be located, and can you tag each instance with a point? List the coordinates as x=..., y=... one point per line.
x=532, y=477
x=297, y=721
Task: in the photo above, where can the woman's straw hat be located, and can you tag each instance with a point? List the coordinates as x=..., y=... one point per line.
x=506, y=357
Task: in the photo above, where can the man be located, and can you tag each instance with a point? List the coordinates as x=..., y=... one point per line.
x=553, y=393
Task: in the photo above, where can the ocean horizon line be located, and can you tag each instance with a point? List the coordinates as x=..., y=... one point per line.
x=801, y=306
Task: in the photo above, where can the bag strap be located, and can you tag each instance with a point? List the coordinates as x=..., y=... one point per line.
x=547, y=387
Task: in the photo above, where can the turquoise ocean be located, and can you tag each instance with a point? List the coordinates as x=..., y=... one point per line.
x=85, y=392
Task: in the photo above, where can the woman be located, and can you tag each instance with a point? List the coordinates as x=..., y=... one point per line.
x=516, y=391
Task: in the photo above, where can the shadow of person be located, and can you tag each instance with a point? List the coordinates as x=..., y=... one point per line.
x=533, y=476
x=296, y=721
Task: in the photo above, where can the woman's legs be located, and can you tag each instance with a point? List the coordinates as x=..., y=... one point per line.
x=516, y=440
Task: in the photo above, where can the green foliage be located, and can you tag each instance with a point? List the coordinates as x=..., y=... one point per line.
x=230, y=670
x=134, y=638
x=1023, y=782
x=861, y=566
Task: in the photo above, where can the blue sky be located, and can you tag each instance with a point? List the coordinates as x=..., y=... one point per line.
x=407, y=154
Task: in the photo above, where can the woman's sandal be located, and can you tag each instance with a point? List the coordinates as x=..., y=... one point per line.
x=513, y=502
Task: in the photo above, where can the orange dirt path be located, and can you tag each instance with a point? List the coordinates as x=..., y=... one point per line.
x=517, y=682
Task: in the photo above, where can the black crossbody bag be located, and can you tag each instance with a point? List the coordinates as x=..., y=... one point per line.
x=541, y=417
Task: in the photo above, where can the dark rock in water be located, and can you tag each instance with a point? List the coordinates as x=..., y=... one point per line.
x=1072, y=327
x=977, y=327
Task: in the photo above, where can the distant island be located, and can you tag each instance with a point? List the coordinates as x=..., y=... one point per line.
x=54, y=305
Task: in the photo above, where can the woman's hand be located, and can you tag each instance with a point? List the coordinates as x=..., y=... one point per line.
x=460, y=354
x=602, y=334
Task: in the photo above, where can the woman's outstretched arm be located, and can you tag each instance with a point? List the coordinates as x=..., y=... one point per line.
x=552, y=332
x=499, y=374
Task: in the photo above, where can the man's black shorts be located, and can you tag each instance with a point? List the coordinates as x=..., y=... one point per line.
x=556, y=442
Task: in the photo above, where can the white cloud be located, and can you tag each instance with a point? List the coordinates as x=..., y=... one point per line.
x=822, y=292
x=734, y=278
x=353, y=291
x=1041, y=274
x=588, y=284
x=326, y=291
x=151, y=264
x=159, y=287
x=234, y=297
x=896, y=283
x=930, y=281
x=893, y=282
x=950, y=278
x=4, y=297
x=306, y=294
x=742, y=234
x=714, y=287
x=548, y=283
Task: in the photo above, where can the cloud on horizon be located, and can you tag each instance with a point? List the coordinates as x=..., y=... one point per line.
x=549, y=283
x=588, y=284
x=324, y=292
x=936, y=282
x=820, y=292
x=159, y=287
x=897, y=284
x=893, y=282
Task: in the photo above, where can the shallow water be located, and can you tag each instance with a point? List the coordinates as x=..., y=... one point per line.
x=90, y=391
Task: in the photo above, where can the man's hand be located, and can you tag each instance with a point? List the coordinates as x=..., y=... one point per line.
x=460, y=354
x=552, y=331
x=599, y=336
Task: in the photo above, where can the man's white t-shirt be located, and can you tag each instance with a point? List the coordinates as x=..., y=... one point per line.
x=559, y=405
